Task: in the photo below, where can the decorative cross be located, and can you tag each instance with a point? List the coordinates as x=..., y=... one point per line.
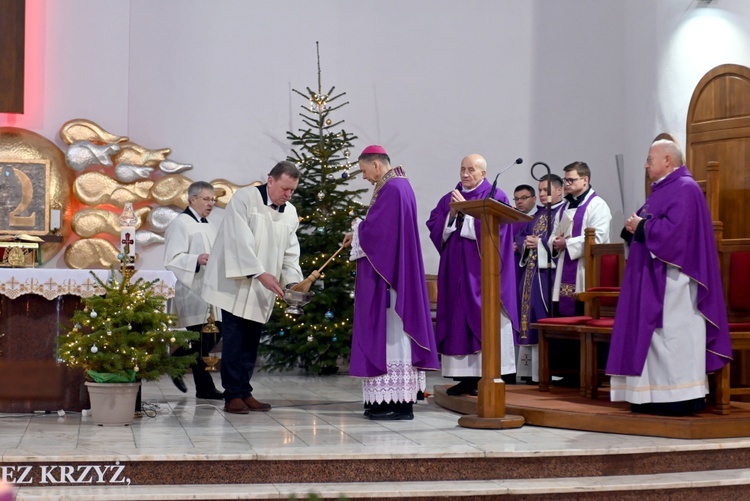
x=525, y=360
x=126, y=242
x=50, y=283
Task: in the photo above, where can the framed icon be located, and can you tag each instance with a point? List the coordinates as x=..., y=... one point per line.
x=24, y=197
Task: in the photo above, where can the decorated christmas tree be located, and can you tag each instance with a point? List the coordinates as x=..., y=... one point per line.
x=319, y=339
x=125, y=334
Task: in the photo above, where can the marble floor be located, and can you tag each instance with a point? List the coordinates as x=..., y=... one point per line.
x=312, y=417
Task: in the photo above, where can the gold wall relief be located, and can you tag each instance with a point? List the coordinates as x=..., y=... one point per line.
x=90, y=222
x=91, y=253
x=94, y=188
x=105, y=171
x=80, y=129
x=135, y=154
x=34, y=182
x=112, y=172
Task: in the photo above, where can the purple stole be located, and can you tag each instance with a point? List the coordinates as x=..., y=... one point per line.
x=533, y=288
x=570, y=267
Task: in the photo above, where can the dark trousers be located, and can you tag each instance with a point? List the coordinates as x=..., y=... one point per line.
x=202, y=346
x=239, y=352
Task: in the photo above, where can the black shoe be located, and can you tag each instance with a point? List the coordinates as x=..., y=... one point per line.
x=212, y=394
x=465, y=387
x=374, y=407
x=180, y=384
x=394, y=412
x=392, y=416
x=674, y=409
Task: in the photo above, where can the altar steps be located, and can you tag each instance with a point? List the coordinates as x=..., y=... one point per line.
x=714, y=472
x=687, y=486
x=317, y=440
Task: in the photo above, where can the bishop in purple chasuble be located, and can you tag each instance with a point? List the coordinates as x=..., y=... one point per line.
x=389, y=236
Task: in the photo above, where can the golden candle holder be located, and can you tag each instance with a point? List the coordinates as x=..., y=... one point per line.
x=210, y=328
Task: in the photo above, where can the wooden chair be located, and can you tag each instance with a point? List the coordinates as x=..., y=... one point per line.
x=605, y=264
x=432, y=292
x=734, y=255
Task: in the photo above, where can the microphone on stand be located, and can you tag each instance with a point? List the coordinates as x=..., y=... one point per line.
x=494, y=183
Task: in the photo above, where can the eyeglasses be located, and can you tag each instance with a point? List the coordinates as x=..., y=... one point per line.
x=519, y=199
x=206, y=199
x=571, y=180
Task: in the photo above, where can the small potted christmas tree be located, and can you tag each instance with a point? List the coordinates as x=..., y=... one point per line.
x=121, y=338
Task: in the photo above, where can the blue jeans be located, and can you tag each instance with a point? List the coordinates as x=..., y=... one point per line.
x=239, y=352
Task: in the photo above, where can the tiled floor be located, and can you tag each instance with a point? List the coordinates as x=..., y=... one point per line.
x=311, y=418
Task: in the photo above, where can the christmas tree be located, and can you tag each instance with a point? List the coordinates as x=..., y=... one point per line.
x=124, y=335
x=320, y=338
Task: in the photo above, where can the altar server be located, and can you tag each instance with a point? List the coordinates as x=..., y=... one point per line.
x=187, y=246
x=256, y=255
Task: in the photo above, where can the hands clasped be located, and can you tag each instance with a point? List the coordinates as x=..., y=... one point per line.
x=456, y=196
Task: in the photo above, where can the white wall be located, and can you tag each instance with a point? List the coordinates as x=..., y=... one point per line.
x=431, y=80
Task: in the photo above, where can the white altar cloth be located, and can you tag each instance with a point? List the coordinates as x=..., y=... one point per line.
x=54, y=282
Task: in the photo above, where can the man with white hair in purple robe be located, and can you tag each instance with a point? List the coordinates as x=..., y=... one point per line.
x=671, y=321
x=459, y=307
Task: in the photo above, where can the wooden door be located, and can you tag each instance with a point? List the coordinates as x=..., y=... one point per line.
x=718, y=129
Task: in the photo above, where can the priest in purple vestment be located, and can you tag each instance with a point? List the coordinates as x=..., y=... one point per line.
x=393, y=341
x=535, y=274
x=459, y=305
x=671, y=322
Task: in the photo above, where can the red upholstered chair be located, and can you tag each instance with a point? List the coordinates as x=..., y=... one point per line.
x=605, y=264
x=735, y=270
x=558, y=328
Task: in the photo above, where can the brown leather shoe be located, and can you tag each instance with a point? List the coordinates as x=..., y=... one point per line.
x=254, y=405
x=236, y=406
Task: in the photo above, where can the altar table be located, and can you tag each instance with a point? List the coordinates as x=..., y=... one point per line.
x=35, y=305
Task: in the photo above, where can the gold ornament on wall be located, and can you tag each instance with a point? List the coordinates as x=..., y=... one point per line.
x=80, y=129
x=94, y=188
x=34, y=189
x=115, y=171
x=135, y=154
x=91, y=222
x=91, y=253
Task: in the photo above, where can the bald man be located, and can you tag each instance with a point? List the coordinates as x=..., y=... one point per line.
x=671, y=321
x=459, y=318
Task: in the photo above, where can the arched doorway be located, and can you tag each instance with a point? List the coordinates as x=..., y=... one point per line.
x=718, y=129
